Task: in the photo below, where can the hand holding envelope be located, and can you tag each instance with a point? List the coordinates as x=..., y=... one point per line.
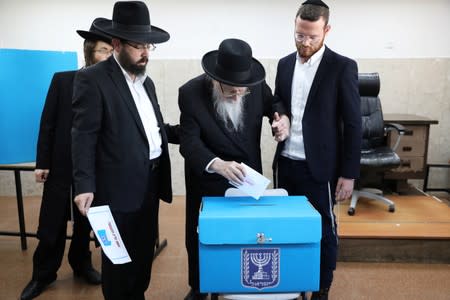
x=254, y=184
x=105, y=229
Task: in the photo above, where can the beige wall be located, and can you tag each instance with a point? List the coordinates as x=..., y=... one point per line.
x=414, y=86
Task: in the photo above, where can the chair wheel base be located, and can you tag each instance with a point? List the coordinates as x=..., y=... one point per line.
x=351, y=211
x=391, y=208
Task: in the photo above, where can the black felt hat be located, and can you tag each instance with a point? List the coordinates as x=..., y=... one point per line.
x=131, y=22
x=94, y=34
x=315, y=2
x=233, y=64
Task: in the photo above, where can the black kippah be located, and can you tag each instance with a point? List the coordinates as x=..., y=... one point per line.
x=315, y=2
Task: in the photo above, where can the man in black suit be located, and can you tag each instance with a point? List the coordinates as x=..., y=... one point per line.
x=119, y=145
x=320, y=159
x=220, y=127
x=54, y=169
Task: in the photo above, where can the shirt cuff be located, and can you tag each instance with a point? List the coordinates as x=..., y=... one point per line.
x=209, y=164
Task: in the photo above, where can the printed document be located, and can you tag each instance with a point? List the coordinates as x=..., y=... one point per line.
x=105, y=229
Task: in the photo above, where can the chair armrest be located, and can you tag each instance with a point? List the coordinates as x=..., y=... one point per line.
x=401, y=130
x=395, y=126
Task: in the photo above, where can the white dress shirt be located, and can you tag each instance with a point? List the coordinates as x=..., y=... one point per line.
x=302, y=80
x=146, y=112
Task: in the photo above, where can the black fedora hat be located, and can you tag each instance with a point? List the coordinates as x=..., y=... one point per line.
x=94, y=34
x=233, y=64
x=131, y=22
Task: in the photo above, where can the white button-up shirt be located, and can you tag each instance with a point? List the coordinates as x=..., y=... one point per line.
x=146, y=112
x=302, y=80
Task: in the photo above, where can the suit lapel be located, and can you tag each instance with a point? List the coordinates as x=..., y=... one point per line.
x=320, y=74
x=289, y=76
x=122, y=86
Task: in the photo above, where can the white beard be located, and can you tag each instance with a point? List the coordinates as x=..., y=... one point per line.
x=229, y=111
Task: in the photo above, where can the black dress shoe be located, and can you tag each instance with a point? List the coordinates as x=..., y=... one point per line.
x=195, y=295
x=322, y=294
x=34, y=288
x=90, y=275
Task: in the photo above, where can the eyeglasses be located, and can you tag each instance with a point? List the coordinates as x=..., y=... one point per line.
x=314, y=39
x=149, y=47
x=104, y=51
x=234, y=94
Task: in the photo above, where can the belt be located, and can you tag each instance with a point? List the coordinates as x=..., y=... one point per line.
x=154, y=163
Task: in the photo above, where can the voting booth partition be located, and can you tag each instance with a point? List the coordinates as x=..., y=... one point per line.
x=270, y=245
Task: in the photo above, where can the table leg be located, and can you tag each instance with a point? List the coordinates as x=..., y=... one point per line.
x=23, y=234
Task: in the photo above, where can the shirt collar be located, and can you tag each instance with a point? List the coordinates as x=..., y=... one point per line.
x=317, y=57
x=140, y=78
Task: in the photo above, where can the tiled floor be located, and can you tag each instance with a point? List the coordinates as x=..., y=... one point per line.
x=169, y=276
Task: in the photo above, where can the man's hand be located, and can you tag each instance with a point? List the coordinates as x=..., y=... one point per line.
x=231, y=170
x=344, y=188
x=83, y=202
x=41, y=175
x=280, y=127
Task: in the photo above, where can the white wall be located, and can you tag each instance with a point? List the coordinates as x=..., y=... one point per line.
x=360, y=29
x=407, y=42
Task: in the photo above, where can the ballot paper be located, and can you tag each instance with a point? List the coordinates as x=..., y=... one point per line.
x=105, y=229
x=254, y=183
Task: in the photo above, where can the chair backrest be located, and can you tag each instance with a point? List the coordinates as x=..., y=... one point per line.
x=234, y=192
x=372, y=114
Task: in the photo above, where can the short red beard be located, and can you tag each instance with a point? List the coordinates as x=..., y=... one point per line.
x=307, y=52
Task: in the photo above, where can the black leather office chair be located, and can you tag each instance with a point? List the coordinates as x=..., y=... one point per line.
x=376, y=156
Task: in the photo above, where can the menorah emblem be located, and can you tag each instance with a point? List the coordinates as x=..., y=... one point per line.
x=260, y=267
x=260, y=259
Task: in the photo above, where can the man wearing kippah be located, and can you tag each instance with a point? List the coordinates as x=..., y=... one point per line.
x=320, y=158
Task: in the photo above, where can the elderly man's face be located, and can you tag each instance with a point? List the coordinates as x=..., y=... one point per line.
x=229, y=104
x=232, y=93
x=309, y=36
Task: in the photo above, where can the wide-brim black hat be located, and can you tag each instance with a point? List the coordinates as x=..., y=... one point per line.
x=94, y=34
x=233, y=64
x=131, y=22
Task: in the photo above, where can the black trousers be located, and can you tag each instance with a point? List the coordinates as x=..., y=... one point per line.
x=191, y=241
x=52, y=228
x=139, y=231
x=296, y=178
x=194, y=194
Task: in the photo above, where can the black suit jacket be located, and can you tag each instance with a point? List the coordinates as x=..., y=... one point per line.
x=53, y=146
x=54, y=154
x=332, y=117
x=203, y=136
x=110, y=151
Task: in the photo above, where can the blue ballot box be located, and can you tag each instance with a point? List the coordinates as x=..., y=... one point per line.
x=270, y=245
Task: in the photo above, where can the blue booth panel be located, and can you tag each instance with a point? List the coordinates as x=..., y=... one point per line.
x=25, y=76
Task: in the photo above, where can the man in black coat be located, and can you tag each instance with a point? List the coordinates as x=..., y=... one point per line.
x=120, y=145
x=321, y=157
x=220, y=128
x=54, y=169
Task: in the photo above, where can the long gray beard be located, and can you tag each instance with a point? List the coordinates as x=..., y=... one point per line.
x=230, y=113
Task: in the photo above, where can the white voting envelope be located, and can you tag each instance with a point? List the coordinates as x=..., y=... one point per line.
x=105, y=229
x=254, y=183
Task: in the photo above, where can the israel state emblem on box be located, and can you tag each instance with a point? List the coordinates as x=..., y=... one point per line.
x=260, y=268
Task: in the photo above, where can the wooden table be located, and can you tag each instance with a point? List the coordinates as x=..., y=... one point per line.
x=22, y=232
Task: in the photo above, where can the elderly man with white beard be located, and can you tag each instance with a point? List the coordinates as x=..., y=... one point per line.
x=222, y=112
